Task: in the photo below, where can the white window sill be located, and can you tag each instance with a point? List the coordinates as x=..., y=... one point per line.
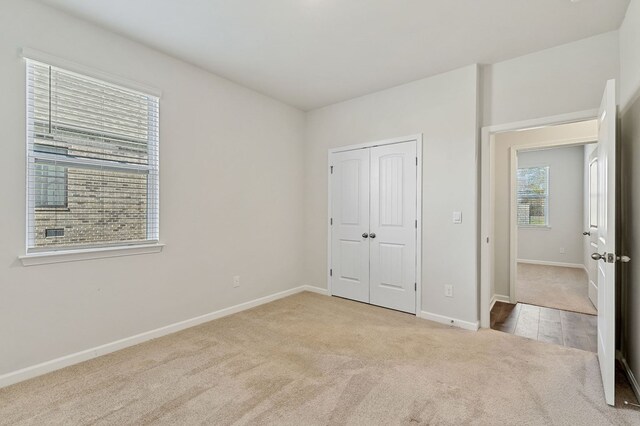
x=43, y=258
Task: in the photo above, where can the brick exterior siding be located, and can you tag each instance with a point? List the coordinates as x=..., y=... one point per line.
x=102, y=207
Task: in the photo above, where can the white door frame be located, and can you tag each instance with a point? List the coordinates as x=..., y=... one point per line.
x=513, y=204
x=411, y=138
x=486, y=196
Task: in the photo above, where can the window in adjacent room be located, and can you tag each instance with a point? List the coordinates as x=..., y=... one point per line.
x=533, y=196
x=92, y=150
x=50, y=180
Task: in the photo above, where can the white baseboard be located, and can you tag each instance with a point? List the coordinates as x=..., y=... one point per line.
x=546, y=263
x=632, y=378
x=75, y=358
x=498, y=298
x=473, y=326
x=315, y=289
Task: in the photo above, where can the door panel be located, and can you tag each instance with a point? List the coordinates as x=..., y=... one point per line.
x=391, y=265
x=350, y=260
x=607, y=240
x=392, y=221
x=350, y=215
x=593, y=226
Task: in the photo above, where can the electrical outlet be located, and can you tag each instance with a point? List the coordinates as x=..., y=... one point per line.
x=562, y=250
x=448, y=290
x=236, y=281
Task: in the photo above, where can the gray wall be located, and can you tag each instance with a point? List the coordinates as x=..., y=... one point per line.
x=559, y=80
x=630, y=232
x=444, y=109
x=231, y=191
x=565, y=208
x=629, y=41
x=630, y=191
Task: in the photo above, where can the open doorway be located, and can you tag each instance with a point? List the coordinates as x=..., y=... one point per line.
x=541, y=210
x=608, y=257
x=552, y=213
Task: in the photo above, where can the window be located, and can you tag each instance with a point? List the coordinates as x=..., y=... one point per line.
x=533, y=196
x=50, y=181
x=92, y=169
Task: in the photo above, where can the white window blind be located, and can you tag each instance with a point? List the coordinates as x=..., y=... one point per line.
x=533, y=196
x=92, y=150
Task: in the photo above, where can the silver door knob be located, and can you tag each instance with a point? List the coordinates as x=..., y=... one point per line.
x=598, y=256
x=586, y=233
x=624, y=259
x=372, y=235
x=365, y=235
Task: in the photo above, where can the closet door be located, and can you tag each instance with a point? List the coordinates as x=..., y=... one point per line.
x=350, y=228
x=392, y=238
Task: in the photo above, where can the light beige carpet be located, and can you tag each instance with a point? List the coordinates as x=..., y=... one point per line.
x=554, y=287
x=315, y=360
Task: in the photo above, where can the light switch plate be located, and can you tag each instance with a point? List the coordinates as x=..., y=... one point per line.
x=448, y=290
x=457, y=217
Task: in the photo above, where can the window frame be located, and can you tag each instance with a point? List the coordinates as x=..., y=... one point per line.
x=547, y=197
x=39, y=255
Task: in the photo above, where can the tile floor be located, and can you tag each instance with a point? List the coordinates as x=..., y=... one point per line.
x=572, y=329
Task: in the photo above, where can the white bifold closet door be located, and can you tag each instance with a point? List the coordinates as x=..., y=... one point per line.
x=374, y=225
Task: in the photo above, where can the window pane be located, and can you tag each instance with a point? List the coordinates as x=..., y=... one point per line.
x=50, y=180
x=533, y=196
x=104, y=206
x=91, y=119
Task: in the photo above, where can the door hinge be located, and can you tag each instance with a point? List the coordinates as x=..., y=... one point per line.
x=416, y=223
x=331, y=169
x=331, y=221
x=330, y=272
x=416, y=161
x=415, y=286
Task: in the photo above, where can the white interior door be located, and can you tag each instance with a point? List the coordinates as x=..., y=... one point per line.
x=350, y=227
x=392, y=237
x=606, y=254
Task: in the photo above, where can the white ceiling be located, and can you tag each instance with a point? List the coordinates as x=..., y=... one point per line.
x=311, y=53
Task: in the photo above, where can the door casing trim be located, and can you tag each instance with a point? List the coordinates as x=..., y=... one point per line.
x=486, y=237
